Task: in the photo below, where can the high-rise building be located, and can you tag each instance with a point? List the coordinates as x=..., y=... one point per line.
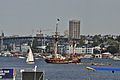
x=74, y=29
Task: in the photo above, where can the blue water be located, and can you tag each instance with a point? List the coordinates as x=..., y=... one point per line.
x=63, y=71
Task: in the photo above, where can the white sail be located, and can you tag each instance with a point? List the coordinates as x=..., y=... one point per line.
x=30, y=58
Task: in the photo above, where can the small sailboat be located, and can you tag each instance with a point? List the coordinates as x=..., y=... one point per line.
x=30, y=58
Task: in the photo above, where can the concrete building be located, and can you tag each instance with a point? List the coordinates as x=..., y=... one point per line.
x=83, y=50
x=80, y=50
x=74, y=29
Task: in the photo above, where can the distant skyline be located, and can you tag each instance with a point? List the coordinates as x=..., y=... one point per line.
x=25, y=17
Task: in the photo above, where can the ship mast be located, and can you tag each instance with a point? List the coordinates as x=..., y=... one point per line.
x=56, y=39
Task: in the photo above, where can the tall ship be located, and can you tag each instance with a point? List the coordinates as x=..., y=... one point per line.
x=30, y=57
x=56, y=58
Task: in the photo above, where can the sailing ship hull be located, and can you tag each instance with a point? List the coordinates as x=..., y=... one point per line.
x=58, y=61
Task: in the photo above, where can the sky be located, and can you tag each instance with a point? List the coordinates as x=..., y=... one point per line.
x=26, y=17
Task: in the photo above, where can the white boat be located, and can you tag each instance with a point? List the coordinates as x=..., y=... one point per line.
x=30, y=57
x=21, y=57
x=116, y=58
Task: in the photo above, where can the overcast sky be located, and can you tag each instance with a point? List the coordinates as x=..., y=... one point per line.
x=25, y=17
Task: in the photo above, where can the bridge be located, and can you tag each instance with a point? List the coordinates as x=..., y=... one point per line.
x=26, y=39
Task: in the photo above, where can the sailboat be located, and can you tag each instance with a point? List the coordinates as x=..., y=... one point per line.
x=30, y=58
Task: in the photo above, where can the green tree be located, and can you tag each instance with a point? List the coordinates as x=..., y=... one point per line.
x=81, y=42
x=118, y=38
x=112, y=49
x=95, y=51
x=97, y=40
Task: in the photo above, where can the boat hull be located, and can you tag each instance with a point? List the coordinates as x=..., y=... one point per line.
x=58, y=61
x=30, y=62
x=54, y=61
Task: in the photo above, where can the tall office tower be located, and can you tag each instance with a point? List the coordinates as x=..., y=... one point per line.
x=74, y=29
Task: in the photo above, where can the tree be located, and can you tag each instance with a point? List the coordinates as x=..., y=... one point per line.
x=112, y=49
x=95, y=51
x=102, y=46
x=81, y=42
x=97, y=40
x=118, y=39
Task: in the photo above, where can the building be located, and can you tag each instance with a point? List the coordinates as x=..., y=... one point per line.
x=79, y=50
x=74, y=29
x=84, y=50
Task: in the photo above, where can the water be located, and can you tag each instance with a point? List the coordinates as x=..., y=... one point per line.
x=62, y=71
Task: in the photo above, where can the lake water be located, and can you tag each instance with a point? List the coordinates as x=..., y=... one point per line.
x=62, y=71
